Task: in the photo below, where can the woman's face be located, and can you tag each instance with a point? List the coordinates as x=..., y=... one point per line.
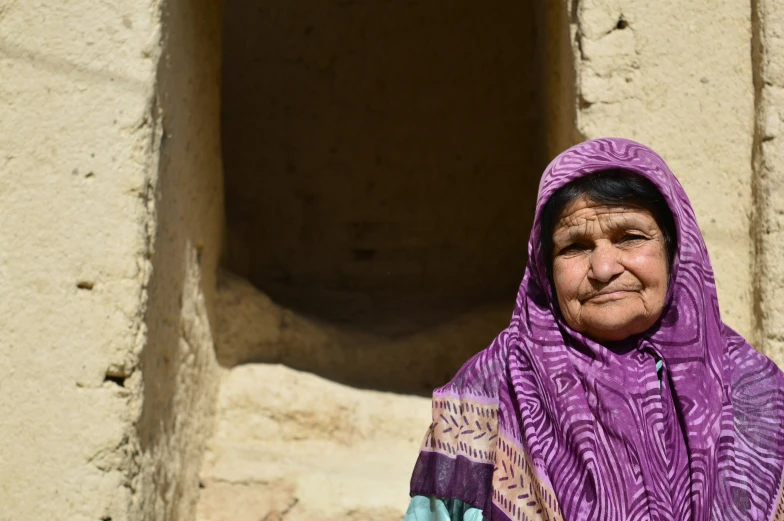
x=610, y=269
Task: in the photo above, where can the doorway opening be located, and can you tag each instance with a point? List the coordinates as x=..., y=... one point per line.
x=381, y=167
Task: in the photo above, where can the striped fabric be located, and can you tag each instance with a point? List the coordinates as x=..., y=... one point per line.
x=546, y=424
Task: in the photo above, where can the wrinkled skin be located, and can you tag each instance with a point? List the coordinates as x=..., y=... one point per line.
x=610, y=269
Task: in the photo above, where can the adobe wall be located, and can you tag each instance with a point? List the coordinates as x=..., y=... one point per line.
x=105, y=371
x=180, y=373
x=78, y=142
x=678, y=77
x=292, y=445
x=769, y=164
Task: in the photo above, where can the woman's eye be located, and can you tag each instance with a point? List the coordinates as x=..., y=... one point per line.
x=630, y=237
x=573, y=248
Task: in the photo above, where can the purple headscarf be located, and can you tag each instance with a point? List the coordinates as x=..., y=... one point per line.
x=549, y=424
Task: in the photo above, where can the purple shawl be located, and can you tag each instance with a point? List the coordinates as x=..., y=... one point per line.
x=548, y=424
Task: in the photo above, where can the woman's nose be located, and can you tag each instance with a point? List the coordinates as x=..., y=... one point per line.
x=605, y=263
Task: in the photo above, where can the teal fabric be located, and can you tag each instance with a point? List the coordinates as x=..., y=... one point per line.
x=659, y=365
x=422, y=508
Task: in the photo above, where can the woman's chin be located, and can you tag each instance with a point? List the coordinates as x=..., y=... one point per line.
x=615, y=330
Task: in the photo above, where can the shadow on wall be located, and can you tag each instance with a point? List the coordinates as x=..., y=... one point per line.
x=180, y=376
x=252, y=328
x=381, y=167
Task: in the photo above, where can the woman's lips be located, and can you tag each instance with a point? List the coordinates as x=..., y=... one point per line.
x=609, y=296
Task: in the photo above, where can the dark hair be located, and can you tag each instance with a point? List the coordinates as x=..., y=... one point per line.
x=612, y=187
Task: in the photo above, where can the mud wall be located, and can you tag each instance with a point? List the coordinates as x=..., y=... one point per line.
x=78, y=153
x=276, y=456
x=111, y=211
x=768, y=225
x=180, y=373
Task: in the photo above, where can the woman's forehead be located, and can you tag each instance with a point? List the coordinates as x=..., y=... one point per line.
x=583, y=212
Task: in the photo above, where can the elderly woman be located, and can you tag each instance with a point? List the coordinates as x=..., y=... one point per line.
x=616, y=392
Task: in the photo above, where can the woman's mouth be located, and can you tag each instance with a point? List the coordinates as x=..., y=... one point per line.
x=607, y=296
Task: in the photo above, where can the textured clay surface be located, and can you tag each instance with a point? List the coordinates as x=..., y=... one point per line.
x=292, y=445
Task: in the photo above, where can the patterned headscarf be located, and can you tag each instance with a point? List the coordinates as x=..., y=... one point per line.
x=547, y=424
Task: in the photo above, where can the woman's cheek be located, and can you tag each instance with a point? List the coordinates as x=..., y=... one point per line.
x=570, y=276
x=574, y=279
x=579, y=273
x=651, y=265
